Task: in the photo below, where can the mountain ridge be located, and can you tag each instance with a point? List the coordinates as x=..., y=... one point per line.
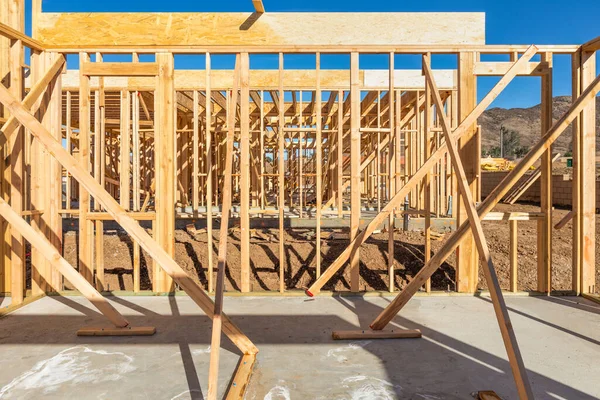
x=527, y=122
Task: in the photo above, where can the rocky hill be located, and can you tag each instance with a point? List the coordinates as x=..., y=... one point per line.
x=526, y=121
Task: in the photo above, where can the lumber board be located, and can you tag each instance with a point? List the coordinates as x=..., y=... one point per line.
x=244, y=161
x=186, y=29
x=592, y=45
x=565, y=220
x=16, y=149
x=111, y=331
x=269, y=79
x=371, y=334
x=241, y=378
x=544, y=281
x=467, y=267
x=213, y=371
x=14, y=34
x=259, y=7
x=487, y=395
x=587, y=202
x=355, y=181
x=119, y=69
x=500, y=68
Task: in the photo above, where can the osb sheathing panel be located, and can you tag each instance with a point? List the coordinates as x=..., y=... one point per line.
x=269, y=79
x=173, y=29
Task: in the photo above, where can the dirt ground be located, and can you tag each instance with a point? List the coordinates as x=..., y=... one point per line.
x=299, y=268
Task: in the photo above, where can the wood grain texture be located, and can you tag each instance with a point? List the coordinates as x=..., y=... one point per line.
x=156, y=29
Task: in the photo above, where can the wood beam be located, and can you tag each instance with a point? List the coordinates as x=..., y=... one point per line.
x=128, y=69
x=215, y=344
x=258, y=6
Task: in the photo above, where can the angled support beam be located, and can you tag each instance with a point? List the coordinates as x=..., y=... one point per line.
x=493, y=198
x=398, y=198
x=508, y=335
x=131, y=226
x=258, y=6
x=215, y=344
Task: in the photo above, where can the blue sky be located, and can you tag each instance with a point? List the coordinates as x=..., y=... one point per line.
x=507, y=22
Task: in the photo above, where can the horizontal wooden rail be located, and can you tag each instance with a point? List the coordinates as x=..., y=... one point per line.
x=119, y=69
x=14, y=34
x=292, y=49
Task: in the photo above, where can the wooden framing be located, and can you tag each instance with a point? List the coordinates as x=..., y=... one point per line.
x=145, y=141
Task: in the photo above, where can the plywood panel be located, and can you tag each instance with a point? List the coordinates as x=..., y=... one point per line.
x=169, y=29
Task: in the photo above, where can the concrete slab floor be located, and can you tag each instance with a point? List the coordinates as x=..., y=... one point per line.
x=461, y=350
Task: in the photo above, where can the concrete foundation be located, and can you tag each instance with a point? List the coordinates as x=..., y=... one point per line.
x=461, y=350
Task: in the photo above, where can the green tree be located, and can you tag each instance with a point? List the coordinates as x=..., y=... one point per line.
x=510, y=142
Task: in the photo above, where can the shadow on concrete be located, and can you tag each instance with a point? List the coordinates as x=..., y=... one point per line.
x=410, y=361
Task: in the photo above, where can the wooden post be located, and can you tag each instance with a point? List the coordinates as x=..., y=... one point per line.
x=513, y=254
x=319, y=161
x=17, y=143
x=164, y=150
x=391, y=171
x=584, y=178
x=124, y=136
x=215, y=344
x=85, y=247
x=354, y=169
x=544, y=272
x=281, y=177
x=427, y=119
x=466, y=257
x=244, y=170
x=209, y=172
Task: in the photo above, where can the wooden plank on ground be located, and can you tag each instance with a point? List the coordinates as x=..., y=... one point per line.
x=111, y=331
x=371, y=334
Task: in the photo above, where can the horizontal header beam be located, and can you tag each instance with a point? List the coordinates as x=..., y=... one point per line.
x=268, y=29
